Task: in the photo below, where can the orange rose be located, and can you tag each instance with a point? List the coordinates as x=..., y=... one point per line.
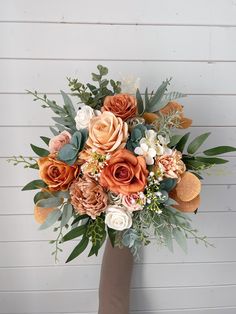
x=124, y=173
x=122, y=105
x=107, y=133
x=56, y=174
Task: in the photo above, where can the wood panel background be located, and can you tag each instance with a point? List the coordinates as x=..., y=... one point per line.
x=42, y=43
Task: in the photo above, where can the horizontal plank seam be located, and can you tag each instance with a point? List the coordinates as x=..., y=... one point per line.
x=117, y=23
x=47, y=240
x=134, y=289
x=57, y=93
x=47, y=126
x=199, y=212
x=141, y=311
x=121, y=60
x=99, y=264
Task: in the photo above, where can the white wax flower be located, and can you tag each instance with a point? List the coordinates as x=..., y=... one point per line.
x=147, y=152
x=118, y=218
x=84, y=114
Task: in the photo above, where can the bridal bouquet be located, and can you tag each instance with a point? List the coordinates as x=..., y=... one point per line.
x=115, y=166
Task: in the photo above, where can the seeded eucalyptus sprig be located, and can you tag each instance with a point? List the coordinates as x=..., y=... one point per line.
x=92, y=95
x=28, y=162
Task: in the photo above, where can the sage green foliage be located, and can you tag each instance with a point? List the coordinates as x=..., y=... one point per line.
x=97, y=234
x=157, y=100
x=34, y=185
x=28, y=162
x=94, y=95
x=65, y=119
x=136, y=135
x=69, y=152
x=190, y=157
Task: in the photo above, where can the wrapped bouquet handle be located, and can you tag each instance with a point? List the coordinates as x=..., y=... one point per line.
x=115, y=278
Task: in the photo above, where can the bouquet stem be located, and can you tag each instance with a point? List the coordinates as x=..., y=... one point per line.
x=115, y=278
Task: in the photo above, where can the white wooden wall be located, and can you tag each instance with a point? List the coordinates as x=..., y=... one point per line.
x=42, y=42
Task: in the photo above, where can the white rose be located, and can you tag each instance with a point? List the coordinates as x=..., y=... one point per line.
x=118, y=218
x=84, y=114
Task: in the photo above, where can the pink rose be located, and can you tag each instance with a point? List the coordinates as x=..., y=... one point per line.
x=134, y=201
x=57, y=142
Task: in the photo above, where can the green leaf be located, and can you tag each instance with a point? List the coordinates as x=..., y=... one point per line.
x=74, y=233
x=76, y=139
x=68, y=153
x=102, y=70
x=50, y=202
x=66, y=214
x=78, y=249
x=54, y=131
x=146, y=98
x=80, y=217
x=212, y=160
x=96, y=248
x=51, y=219
x=155, y=103
x=68, y=104
x=197, y=175
x=182, y=142
x=112, y=235
x=219, y=150
x=45, y=139
x=173, y=95
x=195, y=165
x=34, y=185
x=197, y=142
x=168, y=184
x=180, y=239
x=140, y=103
x=167, y=234
x=175, y=140
x=40, y=151
x=41, y=195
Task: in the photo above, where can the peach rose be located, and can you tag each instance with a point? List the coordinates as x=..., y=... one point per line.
x=107, y=133
x=122, y=105
x=57, y=142
x=56, y=174
x=88, y=197
x=124, y=173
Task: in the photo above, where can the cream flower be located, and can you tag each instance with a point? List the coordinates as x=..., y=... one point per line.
x=84, y=114
x=147, y=152
x=118, y=218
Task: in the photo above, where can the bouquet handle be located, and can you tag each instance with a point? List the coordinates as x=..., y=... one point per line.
x=115, y=278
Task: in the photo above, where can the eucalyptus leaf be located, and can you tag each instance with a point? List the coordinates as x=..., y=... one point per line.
x=66, y=214
x=140, y=103
x=34, y=185
x=74, y=233
x=40, y=151
x=211, y=160
x=197, y=142
x=54, y=131
x=68, y=104
x=51, y=219
x=78, y=249
x=50, y=202
x=45, y=139
x=219, y=150
x=174, y=140
x=180, y=239
x=182, y=142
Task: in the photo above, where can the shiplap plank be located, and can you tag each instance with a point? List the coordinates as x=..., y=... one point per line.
x=141, y=299
x=19, y=139
x=50, y=75
x=215, y=224
x=144, y=276
x=219, y=310
x=209, y=43
x=212, y=200
x=133, y=11
x=21, y=110
x=33, y=254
